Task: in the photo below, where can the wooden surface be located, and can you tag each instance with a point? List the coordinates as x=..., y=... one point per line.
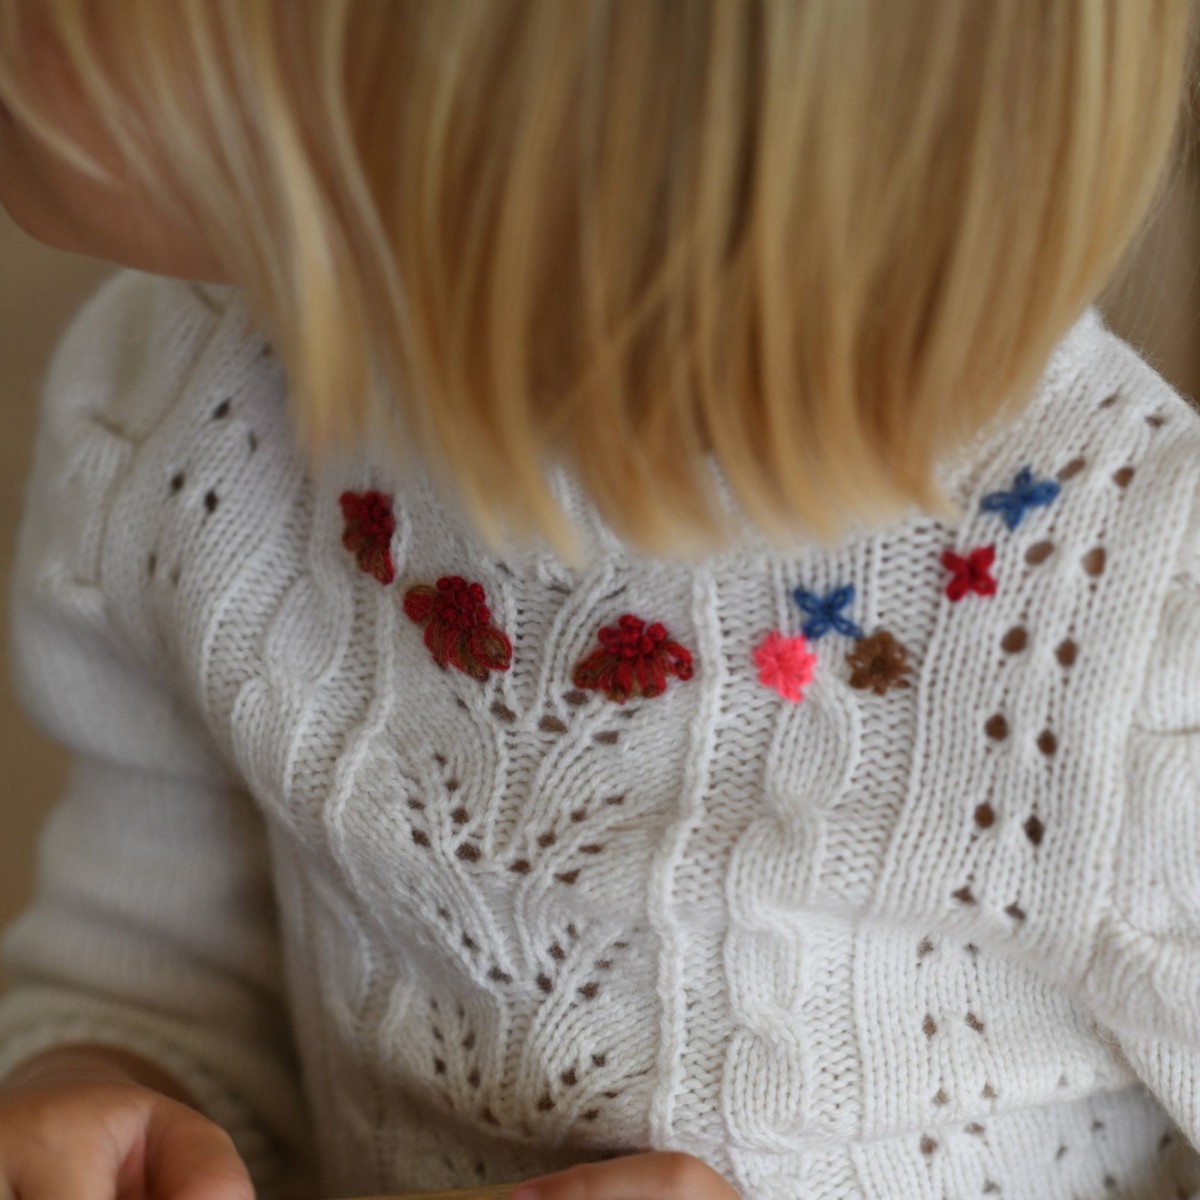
x=497, y=1191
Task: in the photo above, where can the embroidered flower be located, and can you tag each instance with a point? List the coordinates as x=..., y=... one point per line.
x=634, y=659
x=825, y=612
x=1026, y=493
x=785, y=664
x=878, y=663
x=458, y=626
x=970, y=574
x=368, y=532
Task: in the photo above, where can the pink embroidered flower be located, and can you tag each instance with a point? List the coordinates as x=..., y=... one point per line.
x=970, y=574
x=368, y=532
x=634, y=659
x=458, y=626
x=785, y=664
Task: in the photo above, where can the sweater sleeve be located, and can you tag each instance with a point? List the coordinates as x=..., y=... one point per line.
x=1143, y=980
x=152, y=927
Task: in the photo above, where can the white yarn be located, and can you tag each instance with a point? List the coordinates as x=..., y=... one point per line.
x=941, y=941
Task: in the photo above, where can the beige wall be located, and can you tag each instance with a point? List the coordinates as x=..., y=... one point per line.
x=1155, y=300
x=38, y=290
x=1158, y=307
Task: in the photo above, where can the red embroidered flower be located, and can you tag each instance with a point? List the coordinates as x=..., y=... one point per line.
x=458, y=626
x=970, y=574
x=634, y=659
x=785, y=664
x=368, y=532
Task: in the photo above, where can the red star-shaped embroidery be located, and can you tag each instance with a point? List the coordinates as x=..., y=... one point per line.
x=970, y=574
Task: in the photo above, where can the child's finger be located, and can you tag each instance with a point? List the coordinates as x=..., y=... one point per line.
x=655, y=1175
x=62, y=1177
x=190, y=1158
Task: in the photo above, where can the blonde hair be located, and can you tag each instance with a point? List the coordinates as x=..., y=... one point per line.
x=824, y=241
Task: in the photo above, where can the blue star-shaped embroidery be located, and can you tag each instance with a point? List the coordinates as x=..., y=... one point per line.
x=1026, y=493
x=824, y=612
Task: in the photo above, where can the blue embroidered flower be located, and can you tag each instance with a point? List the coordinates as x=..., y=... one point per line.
x=1026, y=493
x=824, y=612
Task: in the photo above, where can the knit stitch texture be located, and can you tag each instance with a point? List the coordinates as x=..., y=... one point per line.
x=923, y=925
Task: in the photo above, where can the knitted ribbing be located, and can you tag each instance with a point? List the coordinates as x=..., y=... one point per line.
x=932, y=933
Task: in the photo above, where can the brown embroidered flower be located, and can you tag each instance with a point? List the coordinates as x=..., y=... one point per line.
x=878, y=663
x=368, y=532
x=458, y=626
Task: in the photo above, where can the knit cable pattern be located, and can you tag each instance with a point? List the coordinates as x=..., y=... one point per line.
x=911, y=913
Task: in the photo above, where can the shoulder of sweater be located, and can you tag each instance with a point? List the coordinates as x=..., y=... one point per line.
x=130, y=348
x=1116, y=407
x=141, y=352
x=1095, y=359
x=1098, y=398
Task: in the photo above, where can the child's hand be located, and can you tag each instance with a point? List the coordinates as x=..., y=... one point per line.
x=655, y=1175
x=92, y=1138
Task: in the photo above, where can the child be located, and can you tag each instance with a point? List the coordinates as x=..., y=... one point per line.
x=613, y=603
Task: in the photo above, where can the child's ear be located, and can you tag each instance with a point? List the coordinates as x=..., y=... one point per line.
x=64, y=179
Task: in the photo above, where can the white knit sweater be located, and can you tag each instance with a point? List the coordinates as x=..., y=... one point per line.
x=933, y=937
